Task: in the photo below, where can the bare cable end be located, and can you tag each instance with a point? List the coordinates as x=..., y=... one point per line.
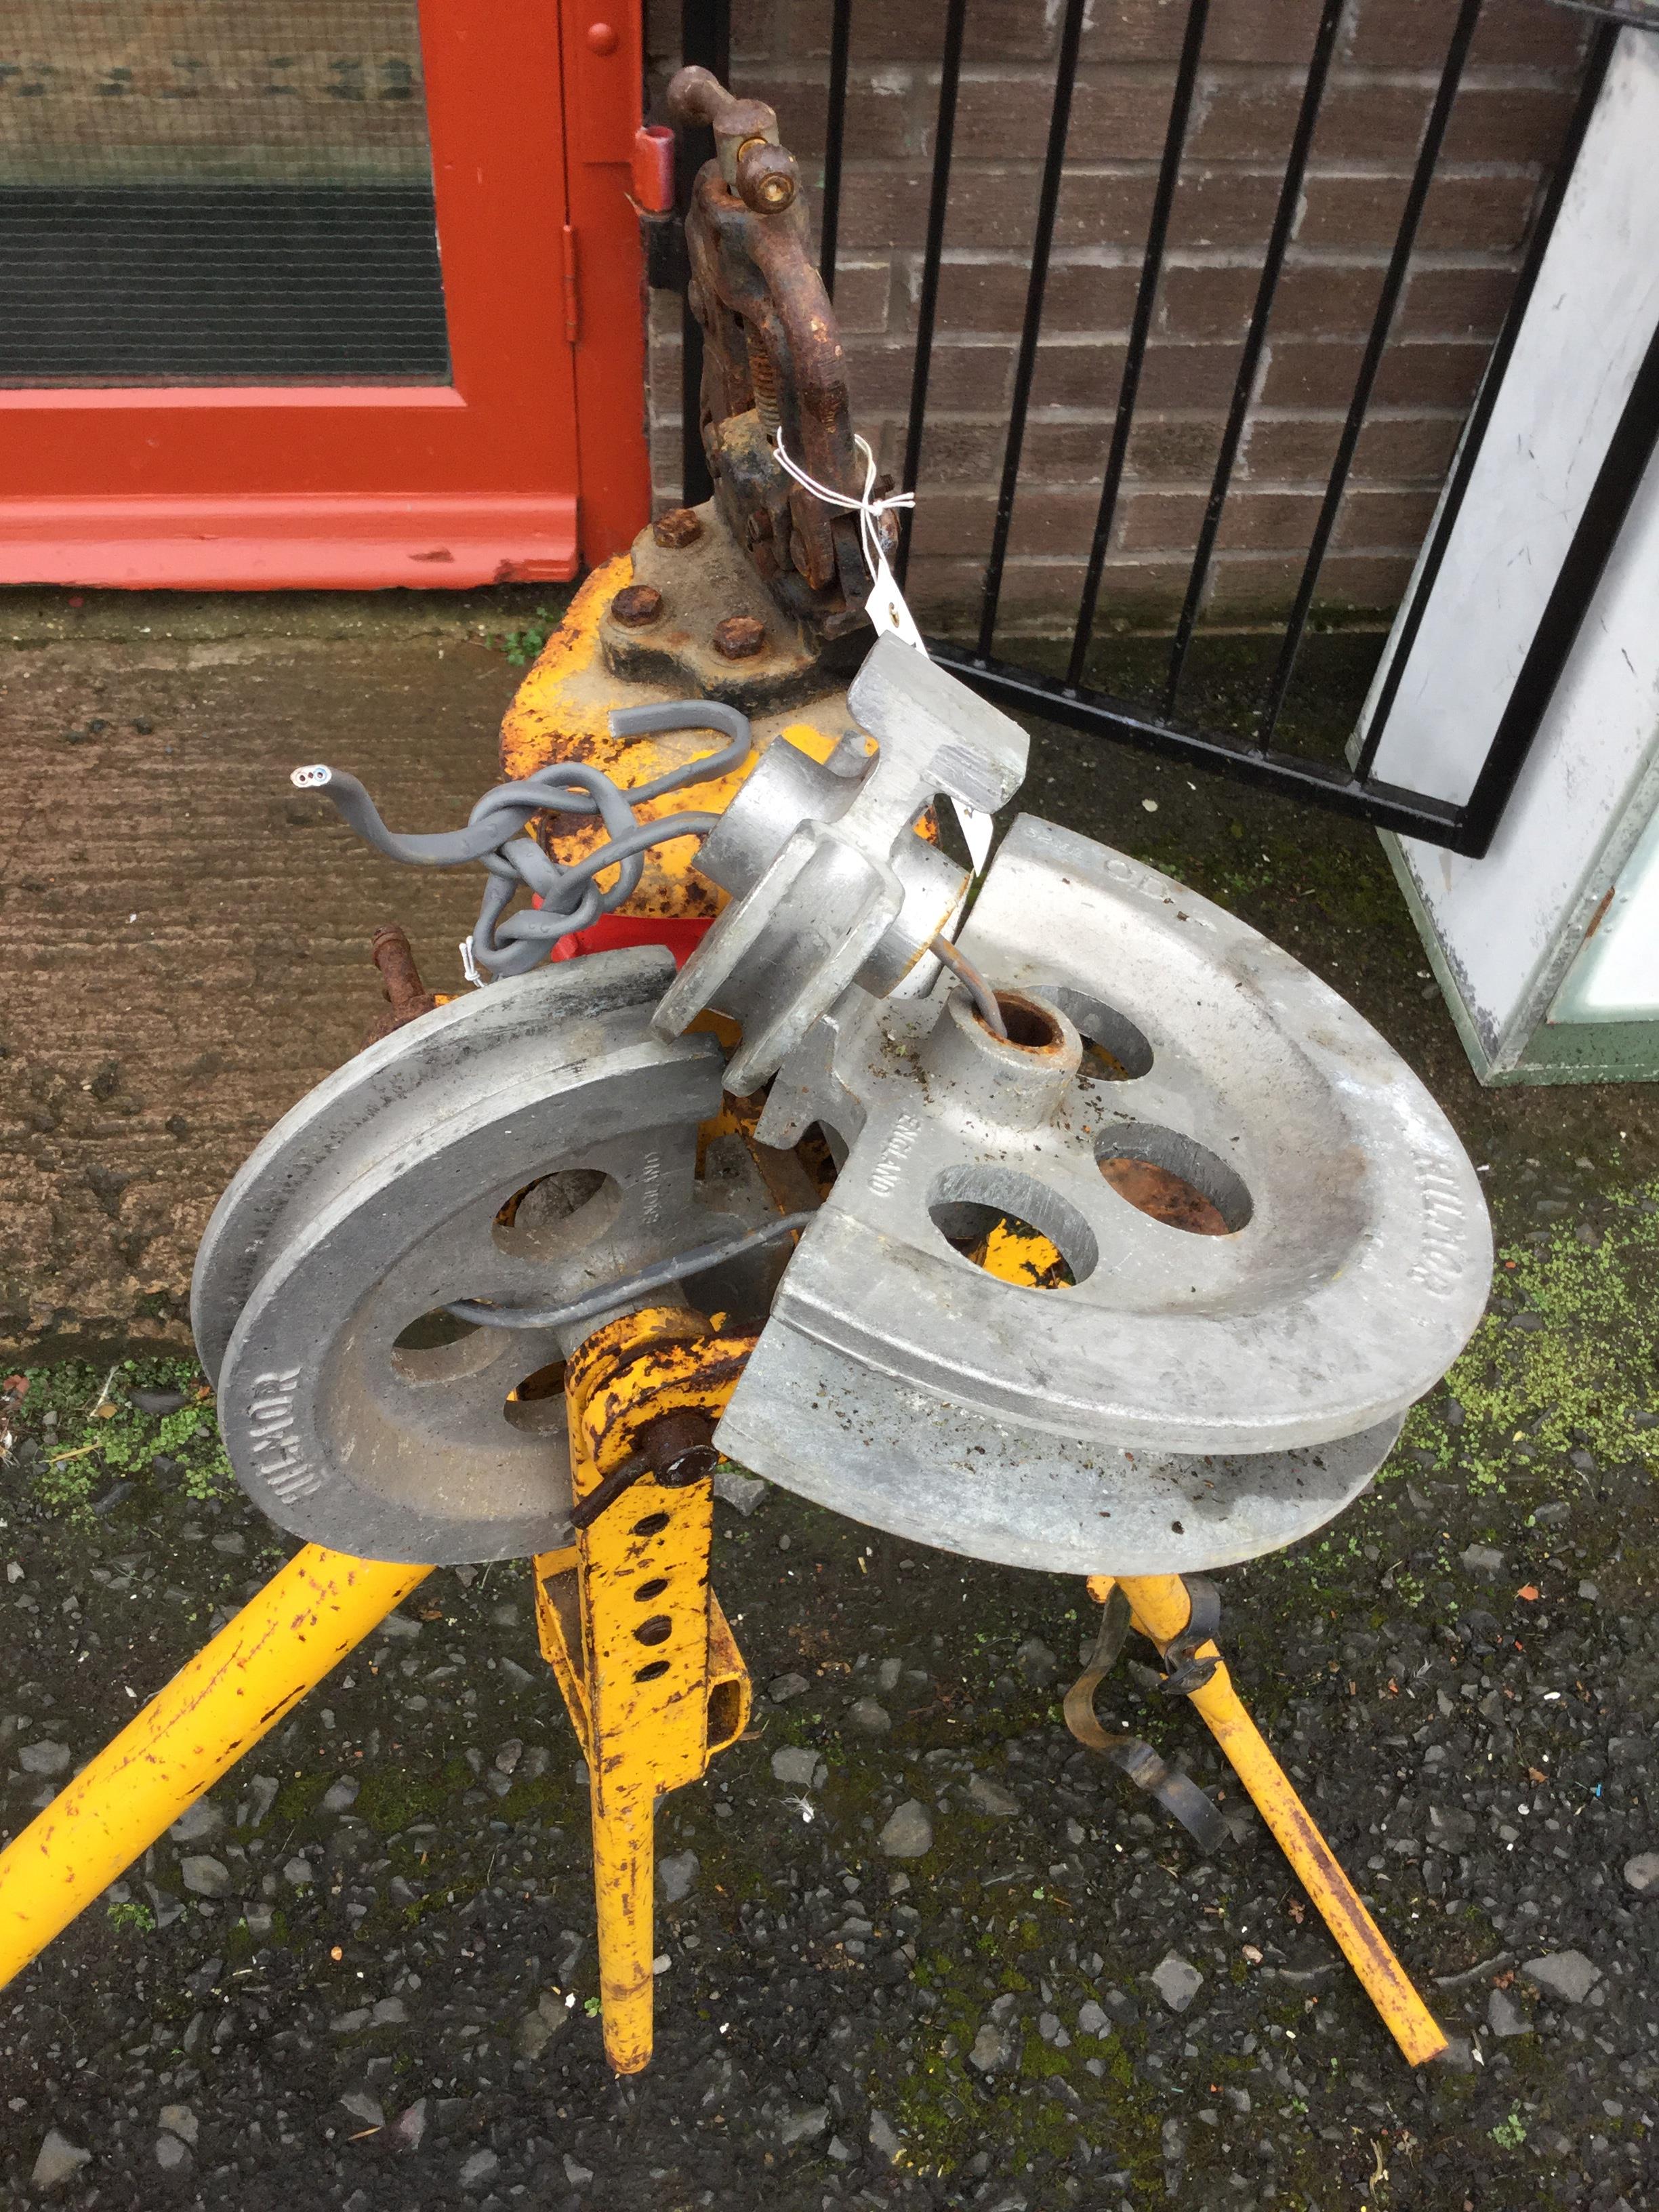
x=312, y=778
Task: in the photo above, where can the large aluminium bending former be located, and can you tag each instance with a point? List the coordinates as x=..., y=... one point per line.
x=1185, y=1401
x=528, y=1143
x=1190, y=1400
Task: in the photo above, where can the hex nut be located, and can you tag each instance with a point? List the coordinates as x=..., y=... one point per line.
x=679, y=527
x=740, y=637
x=636, y=604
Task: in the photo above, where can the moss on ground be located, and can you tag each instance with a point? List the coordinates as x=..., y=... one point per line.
x=946, y=2110
x=100, y=1436
x=1582, y=1375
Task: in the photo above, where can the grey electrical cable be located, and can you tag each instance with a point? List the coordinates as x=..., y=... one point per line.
x=656, y=1277
x=570, y=897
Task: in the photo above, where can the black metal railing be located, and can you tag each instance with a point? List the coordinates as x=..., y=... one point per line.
x=1062, y=692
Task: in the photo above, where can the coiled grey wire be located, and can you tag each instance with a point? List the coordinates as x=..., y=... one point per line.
x=511, y=945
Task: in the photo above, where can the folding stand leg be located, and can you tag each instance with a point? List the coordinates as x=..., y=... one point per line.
x=320, y=1606
x=646, y=1662
x=1161, y=1608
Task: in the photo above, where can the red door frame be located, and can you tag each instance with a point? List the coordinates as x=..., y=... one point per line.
x=531, y=462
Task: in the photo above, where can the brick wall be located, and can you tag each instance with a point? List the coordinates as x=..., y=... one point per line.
x=1509, y=119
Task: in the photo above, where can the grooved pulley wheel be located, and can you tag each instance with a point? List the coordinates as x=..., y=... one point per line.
x=523, y=1146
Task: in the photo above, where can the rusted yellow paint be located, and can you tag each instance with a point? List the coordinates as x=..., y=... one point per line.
x=1023, y=1256
x=562, y=713
x=645, y=1660
x=253, y=1673
x=817, y=744
x=1160, y=1608
x=554, y=708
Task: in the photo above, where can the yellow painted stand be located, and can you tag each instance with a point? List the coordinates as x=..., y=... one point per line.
x=1160, y=1608
x=251, y=1676
x=647, y=1665
x=649, y=1671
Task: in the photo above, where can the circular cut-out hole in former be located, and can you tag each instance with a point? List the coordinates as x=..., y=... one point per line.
x=653, y=1673
x=1114, y=1049
x=654, y=1587
x=653, y=1525
x=1030, y=1026
x=436, y=1347
x=537, y=1405
x=1173, y=1180
x=657, y=1630
x=557, y=1214
x=1013, y=1226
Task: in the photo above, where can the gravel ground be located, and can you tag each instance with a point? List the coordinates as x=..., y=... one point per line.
x=919, y=1949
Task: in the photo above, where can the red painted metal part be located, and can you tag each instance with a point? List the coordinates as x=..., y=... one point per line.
x=602, y=110
x=532, y=460
x=653, y=168
x=612, y=931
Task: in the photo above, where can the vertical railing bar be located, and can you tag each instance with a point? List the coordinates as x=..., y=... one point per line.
x=945, y=129
x=1474, y=430
x=1393, y=283
x=1151, y=270
x=835, y=132
x=1330, y=23
x=1025, y=369
x=706, y=39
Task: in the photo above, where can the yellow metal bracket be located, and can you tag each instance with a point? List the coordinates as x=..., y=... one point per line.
x=645, y=1660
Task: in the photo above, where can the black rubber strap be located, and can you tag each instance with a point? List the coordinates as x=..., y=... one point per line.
x=1176, y=1792
x=1183, y=1670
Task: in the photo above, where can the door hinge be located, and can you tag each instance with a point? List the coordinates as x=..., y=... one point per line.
x=572, y=290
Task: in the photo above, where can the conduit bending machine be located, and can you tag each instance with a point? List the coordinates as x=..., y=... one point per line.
x=1056, y=1219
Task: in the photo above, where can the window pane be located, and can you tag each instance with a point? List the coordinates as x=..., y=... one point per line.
x=217, y=192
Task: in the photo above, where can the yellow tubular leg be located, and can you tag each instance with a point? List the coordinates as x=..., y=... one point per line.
x=255, y=1671
x=645, y=1660
x=1160, y=1607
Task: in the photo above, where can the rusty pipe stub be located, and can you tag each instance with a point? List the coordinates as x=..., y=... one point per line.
x=406, y=995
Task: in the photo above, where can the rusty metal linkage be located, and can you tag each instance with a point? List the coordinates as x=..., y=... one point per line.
x=772, y=363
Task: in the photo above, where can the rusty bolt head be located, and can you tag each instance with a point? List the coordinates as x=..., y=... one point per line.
x=636, y=604
x=679, y=527
x=740, y=637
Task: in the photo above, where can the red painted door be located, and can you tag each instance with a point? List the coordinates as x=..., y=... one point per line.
x=521, y=455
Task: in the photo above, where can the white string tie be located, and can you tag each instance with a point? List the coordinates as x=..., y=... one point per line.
x=885, y=605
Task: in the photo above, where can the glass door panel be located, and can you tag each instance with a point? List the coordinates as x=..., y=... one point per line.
x=217, y=192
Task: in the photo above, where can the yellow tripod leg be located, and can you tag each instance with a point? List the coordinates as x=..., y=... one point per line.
x=1160, y=1607
x=253, y=1673
x=645, y=1660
